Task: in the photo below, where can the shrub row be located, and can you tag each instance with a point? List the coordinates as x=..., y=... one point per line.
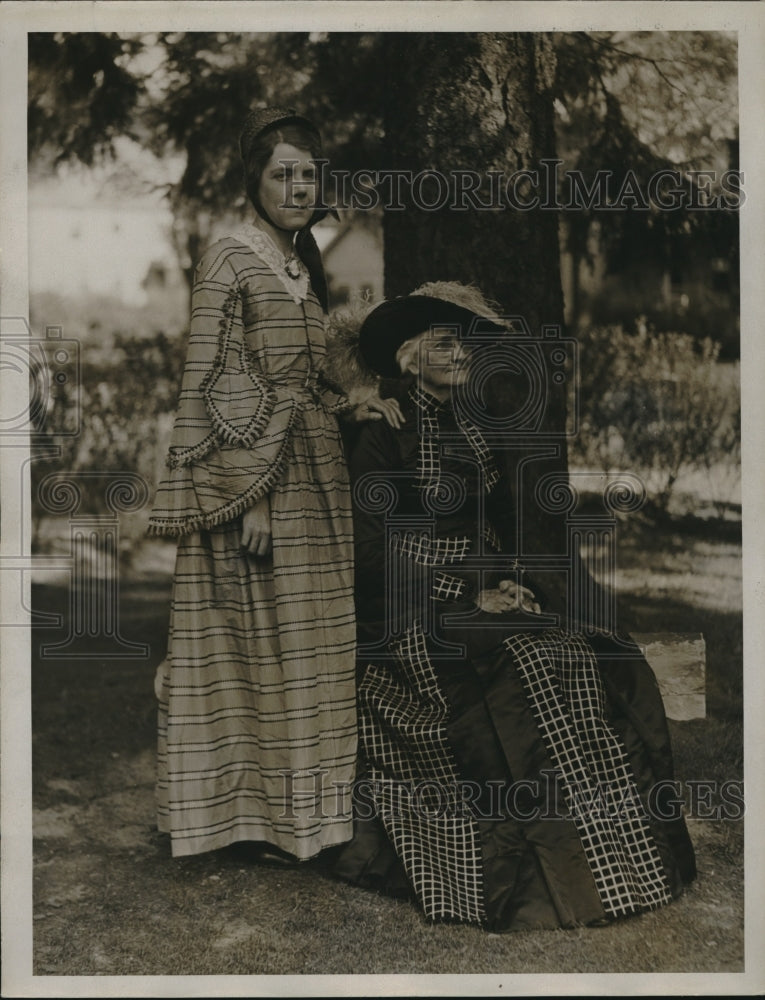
x=653, y=404
x=657, y=405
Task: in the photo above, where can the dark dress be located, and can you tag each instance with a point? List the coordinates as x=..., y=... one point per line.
x=511, y=768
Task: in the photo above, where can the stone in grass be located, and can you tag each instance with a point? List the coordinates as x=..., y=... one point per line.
x=679, y=662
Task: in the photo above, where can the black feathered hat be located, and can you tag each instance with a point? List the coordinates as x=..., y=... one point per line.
x=392, y=323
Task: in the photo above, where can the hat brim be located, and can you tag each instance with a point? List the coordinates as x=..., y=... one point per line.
x=247, y=137
x=290, y=120
x=392, y=323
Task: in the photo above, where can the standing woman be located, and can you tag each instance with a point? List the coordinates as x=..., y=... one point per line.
x=257, y=718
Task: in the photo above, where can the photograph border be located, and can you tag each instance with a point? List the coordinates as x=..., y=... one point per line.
x=17, y=19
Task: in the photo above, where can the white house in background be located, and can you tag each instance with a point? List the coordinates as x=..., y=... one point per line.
x=353, y=258
x=85, y=239
x=352, y=253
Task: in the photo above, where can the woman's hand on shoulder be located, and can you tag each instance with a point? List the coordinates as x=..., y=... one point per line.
x=256, y=528
x=374, y=408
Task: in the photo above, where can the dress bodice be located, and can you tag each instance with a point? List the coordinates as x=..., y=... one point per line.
x=285, y=340
x=423, y=510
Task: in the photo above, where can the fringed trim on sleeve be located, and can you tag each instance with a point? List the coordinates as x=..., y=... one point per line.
x=238, y=402
x=239, y=385
x=226, y=427
x=177, y=458
x=333, y=399
x=341, y=404
x=225, y=327
x=178, y=526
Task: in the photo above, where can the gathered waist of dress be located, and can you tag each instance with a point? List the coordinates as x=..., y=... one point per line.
x=306, y=393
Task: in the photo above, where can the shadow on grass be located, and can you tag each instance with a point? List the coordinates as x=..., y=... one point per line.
x=109, y=899
x=86, y=710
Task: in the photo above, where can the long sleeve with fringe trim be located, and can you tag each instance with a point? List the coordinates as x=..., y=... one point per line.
x=232, y=427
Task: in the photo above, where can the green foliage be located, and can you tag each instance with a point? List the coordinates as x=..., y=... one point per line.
x=674, y=90
x=625, y=101
x=188, y=92
x=674, y=93
x=94, y=319
x=653, y=404
x=658, y=404
x=710, y=312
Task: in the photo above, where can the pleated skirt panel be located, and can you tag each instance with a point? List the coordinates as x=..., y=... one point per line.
x=257, y=712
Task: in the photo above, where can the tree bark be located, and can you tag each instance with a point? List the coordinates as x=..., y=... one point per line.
x=480, y=102
x=483, y=103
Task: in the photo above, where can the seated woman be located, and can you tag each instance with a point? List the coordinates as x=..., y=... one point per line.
x=516, y=771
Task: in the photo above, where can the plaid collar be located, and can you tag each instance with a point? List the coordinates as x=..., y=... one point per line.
x=426, y=402
x=429, y=463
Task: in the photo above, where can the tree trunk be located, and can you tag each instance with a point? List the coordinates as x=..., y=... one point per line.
x=191, y=235
x=473, y=102
x=482, y=103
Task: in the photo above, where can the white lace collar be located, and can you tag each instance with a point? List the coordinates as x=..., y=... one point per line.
x=262, y=244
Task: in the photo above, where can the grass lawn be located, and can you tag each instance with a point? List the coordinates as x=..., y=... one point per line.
x=109, y=900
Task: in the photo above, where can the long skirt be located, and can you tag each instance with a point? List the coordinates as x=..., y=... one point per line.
x=257, y=734
x=526, y=783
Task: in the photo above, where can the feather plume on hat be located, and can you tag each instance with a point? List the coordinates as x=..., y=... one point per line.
x=345, y=367
x=468, y=296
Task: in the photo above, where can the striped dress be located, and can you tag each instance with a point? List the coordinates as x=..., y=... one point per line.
x=257, y=715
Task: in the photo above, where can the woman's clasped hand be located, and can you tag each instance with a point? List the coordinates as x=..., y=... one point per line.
x=508, y=596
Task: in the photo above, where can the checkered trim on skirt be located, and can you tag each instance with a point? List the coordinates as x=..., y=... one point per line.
x=560, y=677
x=403, y=735
x=491, y=536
